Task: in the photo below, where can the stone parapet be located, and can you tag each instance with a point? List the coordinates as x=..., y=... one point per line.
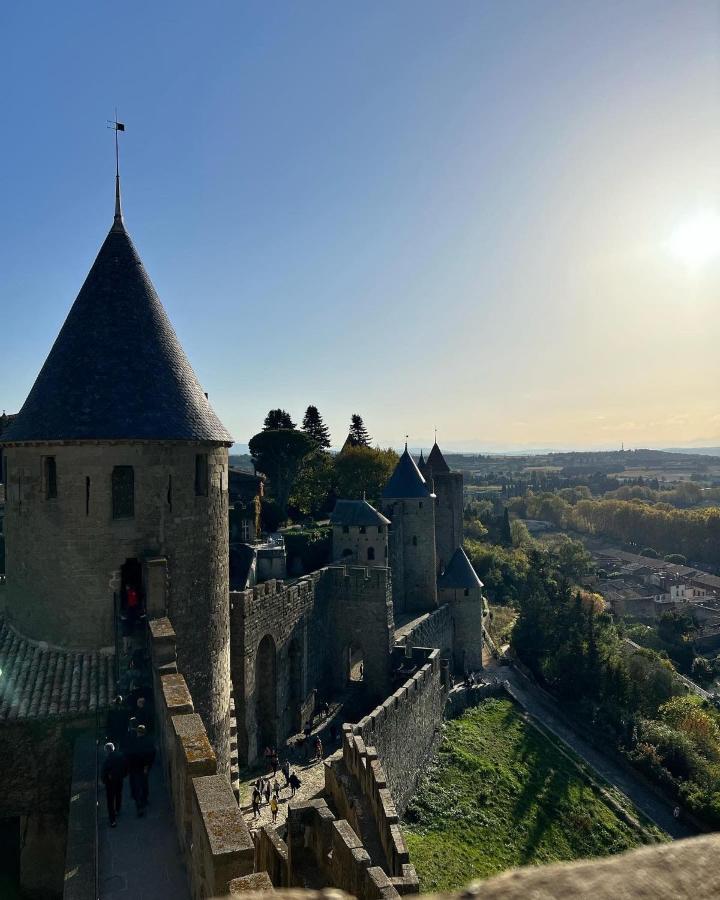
x=331, y=846
x=222, y=848
x=212, y=833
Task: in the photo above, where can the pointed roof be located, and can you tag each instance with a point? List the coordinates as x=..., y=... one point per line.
x=421, y=464
x=406, y=482
x=116, y=370
x=436, y=461
x=356, y=512
x=459, y=573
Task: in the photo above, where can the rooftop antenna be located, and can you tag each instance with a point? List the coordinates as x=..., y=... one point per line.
x=117, y=126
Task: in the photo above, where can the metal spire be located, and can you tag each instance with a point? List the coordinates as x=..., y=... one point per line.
x=117, y=126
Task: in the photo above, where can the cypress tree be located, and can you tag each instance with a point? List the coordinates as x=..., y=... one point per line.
x=358, y=436
x=314, y=426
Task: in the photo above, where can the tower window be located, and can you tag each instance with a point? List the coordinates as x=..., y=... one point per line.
x=169, y=493
x=363, y=529
x=380, y=529
x=123, y=492
x=467, y=592
x=346, y=529
x=371, y=553
x=87, y=495
x=201, y=475
x=50, y=477
x=414, y=541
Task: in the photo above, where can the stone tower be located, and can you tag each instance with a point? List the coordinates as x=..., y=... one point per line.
x=116, y=474
x=448, y=487
x=460, y=587
x=360, y=534
x=410, y=505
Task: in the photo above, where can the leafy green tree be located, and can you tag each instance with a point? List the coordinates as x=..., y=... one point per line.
x=314, y=426
x=279, y=454
x=277, y=419
x=313, y=488
x=363, y=470
x=358, y=436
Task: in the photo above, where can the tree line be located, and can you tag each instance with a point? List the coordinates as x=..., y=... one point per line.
x=304, y=477
x=693, y=533
x=575, y=650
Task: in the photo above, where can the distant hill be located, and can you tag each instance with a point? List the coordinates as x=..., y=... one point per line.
x=695, y=451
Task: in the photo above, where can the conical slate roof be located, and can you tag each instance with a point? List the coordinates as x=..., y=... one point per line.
x=421, y=464
x=116, y=370
x=436, y=461
x=356, y=512
x=406, y=482
x=459, y=573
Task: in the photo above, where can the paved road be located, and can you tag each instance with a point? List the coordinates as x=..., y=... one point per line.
x=646, y=800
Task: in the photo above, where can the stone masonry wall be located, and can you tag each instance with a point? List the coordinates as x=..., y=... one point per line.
x=290, y=616
x=404, y=727
x=433, y=629
x=412, y=553
x=63, y=555
x=212, y=832
x=448, y=515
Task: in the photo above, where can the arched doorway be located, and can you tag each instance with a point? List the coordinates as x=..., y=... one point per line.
x=266, y=694
x=355, y=663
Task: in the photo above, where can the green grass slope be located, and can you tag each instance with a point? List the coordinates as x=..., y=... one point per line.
x=501, y=795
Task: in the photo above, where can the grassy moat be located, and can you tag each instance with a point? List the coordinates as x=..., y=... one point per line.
x=501, y=795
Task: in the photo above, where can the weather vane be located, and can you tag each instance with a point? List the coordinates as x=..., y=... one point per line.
x=117, y=126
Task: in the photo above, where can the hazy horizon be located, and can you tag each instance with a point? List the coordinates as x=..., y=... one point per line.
x=500, y=220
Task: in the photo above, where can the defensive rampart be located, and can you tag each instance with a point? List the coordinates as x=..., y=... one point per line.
x=404, y=728
x=433, y=629
x=212, y=833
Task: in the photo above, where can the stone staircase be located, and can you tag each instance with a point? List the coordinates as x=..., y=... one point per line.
x=234, y=758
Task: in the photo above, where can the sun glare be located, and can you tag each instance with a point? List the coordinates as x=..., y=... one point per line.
x=696, y=241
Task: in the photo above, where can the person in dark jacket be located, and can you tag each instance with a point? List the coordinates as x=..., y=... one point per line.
x=114, y=769
x=116, y=726
x=141, y=756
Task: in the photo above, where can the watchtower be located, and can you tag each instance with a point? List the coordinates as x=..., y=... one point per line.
x=360, y=534
x=448, y=488
x=117, y=485
x=410, y=505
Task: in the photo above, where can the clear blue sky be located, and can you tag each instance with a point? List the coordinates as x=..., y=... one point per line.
x=432, y=213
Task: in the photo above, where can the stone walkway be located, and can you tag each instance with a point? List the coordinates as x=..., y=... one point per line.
x=310, y=772
x=657, y=809
x=140, y=859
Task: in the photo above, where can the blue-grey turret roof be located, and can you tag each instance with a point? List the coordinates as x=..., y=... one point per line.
x=406, y=482
x=436, y=461
x=357, y=513
x=459, y=573
x=116, y=370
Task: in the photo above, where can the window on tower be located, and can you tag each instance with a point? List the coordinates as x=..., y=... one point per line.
x=201, y=475
x=50, y=477
x=371, y=554
x=123, y=492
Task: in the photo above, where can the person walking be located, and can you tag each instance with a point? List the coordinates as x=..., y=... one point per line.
x=141, y=757
x=256, y=802
x=112, y=775
x=275, y=761
x=274, y=808
x=318, y=749
x=286, y=771
x=116, y=724
x=294, y=783
x=276, y=788
x=267, y=791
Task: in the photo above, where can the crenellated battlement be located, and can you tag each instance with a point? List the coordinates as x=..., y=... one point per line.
x=359, y=581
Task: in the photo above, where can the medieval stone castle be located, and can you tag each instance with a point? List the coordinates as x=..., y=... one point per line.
x=116, y=476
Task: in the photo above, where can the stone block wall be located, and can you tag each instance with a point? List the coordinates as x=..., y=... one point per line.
x=404, y=728
x=212, y=833
x=287, y=617
x=434, y=629
x=360, y=610
x=84, y=548
x=448, y=488
x=317, y=840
